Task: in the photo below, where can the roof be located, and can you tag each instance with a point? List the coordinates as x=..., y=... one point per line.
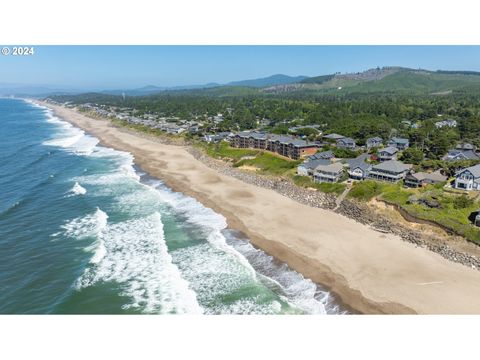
x=333, y=136
x=314, y=163
x=475, y=170
x=398, y=140
x=434, y=176
x=335, y=167
x=393, y=166
x=376, y=138
x=346, y=140
x=359, y=162
x=359, y=165
x=389, y=150
x=253, y=134
x=322, y=155
x=465, y=154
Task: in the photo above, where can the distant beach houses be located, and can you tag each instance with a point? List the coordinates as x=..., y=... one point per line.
x=346, y=143
x=399, y=143
x=380, y=164
x=388, y=153
x=374, y=142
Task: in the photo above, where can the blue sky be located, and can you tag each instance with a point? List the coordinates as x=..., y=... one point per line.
x=110, y=67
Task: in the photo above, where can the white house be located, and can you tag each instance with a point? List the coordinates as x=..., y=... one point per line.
x=468, y=178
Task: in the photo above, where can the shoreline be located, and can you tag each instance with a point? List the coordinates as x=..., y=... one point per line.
x=369, y=271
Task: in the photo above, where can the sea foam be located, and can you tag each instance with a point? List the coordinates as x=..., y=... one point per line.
x=133, y=253
x=77, y=189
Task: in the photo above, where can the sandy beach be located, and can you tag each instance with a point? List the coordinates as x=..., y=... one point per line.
x=371, y=272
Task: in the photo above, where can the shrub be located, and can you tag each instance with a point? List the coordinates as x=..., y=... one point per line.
x=462, y=202
x=345, y=153
x=365, y=190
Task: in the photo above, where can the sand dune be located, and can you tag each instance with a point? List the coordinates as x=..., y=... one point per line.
x=371, y=271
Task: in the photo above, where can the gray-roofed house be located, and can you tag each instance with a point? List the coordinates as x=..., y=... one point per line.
x=374, y=142
x=422, y=178
x=456, y=155
x=328, y=173
x=468, y=178
x=346, y=143
x=388, y=153
x=399, y=143
x=358, y=169
x=392, y=171
x=321, y=155
x=307, y=167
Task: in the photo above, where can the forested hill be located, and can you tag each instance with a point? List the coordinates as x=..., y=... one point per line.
x=386, y=80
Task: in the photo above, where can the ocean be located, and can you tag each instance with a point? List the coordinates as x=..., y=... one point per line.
x=83, y=231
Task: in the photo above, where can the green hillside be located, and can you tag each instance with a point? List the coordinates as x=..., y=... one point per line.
x=417, y=82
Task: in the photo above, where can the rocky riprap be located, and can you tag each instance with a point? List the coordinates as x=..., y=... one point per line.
x=284, y=187
x=363, y=214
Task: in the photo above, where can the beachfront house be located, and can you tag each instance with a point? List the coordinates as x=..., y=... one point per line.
x=420, y=179
x=374, y=142
x=358, y=169
x=391, y=171
x=331, y=173
x=388, y=153
x=468, y=178
x=399, y=143
x=307, y=167
x=346, y=143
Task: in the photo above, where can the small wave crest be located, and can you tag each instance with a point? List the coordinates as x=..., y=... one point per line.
x=87, y=226
x=77, y=189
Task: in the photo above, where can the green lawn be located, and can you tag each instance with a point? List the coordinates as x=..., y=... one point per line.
x=222, y=150
x=305, y=181
x=451, y=213
x=270, y=164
